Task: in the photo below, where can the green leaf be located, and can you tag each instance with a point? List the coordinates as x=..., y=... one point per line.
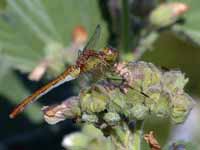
x=29, y=26
x=14, y=91
x=191, y=29
x=2, y=4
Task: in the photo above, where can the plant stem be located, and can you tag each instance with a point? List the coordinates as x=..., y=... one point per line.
x=126, y=139
x=125, y=26
x=145, y=44
x=138, y=135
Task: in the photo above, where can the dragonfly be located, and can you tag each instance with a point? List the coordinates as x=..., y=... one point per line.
x=88, y=61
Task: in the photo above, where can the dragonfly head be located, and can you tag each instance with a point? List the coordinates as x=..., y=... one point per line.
x=110, y=54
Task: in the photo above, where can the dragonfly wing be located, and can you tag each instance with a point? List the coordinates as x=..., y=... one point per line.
x=94, y=38
x=70, y=74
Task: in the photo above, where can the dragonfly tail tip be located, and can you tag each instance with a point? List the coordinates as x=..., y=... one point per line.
x=11, y=116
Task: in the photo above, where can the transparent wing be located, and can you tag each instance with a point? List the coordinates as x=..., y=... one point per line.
x=136, y=90
x=94, y=38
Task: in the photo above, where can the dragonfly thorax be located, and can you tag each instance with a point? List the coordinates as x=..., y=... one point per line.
x=84, y=57
x=91, y=59
x=110, y=55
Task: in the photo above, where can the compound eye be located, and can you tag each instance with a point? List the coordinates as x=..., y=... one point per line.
x=110, y=51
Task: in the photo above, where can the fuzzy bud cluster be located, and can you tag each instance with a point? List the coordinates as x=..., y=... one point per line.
x=147, y=90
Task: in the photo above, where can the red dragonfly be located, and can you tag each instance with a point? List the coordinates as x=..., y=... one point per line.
x=88, y=61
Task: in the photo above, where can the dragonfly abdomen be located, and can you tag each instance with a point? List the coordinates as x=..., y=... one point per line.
x=71, y=73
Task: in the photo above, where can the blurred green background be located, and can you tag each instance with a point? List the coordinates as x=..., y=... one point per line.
x=32, y=31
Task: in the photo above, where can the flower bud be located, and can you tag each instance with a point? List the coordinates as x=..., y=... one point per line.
x=143, y=75
x=89, y=118
x=162, y=106
x=181, y=106
x=116, y=101
x=174, y=81
x=93, y=99
x=138, y=112
x=112, y=118
x=66, y=110
x=166, y=14
x=75, y=140
x=79, y=35
x=90, y=138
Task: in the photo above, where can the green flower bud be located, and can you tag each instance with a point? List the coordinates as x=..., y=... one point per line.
x=116, y=101
x=76, y=140
x=181, y=106
x=93, y=99
x=143, y=75
x=138, y=112
x=166, y=14
x=89, y=118
x=174, y=81
x=91, y=131
x=134, y=97
x=162, y=106
x=90, y=138
x=152, y=76
x=97, y=139
x=112, y=118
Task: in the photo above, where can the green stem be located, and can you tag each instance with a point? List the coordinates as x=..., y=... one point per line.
x=138, y=135
x=126, y=139
x=145, y=44
x=125, y=25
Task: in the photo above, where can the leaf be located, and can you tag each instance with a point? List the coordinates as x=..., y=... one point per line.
x=190, y=31
x=29, y=26
x=14, y=91
x=2, y=4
